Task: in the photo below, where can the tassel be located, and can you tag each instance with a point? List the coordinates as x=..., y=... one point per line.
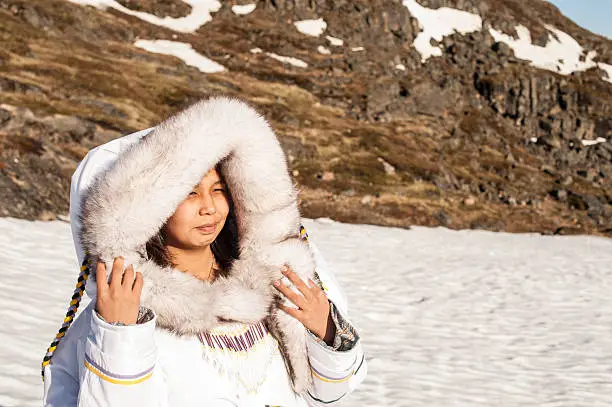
x=240, y=352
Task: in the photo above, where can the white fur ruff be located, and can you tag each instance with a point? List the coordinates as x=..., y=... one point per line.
x=129, y=203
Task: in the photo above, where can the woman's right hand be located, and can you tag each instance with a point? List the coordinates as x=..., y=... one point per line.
x=119, y=300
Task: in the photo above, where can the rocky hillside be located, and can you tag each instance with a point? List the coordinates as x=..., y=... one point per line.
x=491, y=114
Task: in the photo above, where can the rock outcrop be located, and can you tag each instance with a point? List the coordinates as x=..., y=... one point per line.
x=475, y=137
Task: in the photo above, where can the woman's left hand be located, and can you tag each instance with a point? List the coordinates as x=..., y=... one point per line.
x=314, y=308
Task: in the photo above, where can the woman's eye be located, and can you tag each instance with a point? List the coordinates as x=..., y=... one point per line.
x=220, y=189
x=193, y=193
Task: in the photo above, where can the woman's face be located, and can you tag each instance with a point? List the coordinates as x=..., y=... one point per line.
x=198, y=220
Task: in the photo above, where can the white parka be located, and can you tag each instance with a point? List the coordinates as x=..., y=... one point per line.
x=165, y=361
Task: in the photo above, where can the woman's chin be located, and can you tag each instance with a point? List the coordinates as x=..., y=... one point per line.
x=202, y=240
x=201, y=243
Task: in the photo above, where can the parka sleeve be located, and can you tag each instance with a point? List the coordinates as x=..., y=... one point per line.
x=339, y=369
x=110, y=366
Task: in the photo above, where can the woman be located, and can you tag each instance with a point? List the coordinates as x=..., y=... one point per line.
x=203, y=213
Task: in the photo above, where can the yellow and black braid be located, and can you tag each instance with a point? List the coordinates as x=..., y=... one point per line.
x=72, y=309
x=303, y=234
x=317, y=279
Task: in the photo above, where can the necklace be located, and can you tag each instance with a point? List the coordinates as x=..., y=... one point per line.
x=212, y=271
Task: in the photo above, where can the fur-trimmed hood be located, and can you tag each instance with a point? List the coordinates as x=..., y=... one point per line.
x=128, y=204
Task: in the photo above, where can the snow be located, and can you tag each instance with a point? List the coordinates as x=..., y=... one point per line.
x=313, y=28
x=288, y=60
x=594, y=142
x=284, y=59
x=439, y=23
x=183, y=51
x=560, y=55
x=608, y=69
x=322, y=50
x=400, y=67
x=468, y=318
x=357, y=49
x=37, y=276
x=336, y=42
x=200, y=13
x=244, y=9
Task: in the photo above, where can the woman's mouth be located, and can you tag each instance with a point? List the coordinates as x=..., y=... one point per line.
x=208, y=229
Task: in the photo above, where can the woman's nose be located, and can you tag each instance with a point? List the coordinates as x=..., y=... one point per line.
x=208, y=205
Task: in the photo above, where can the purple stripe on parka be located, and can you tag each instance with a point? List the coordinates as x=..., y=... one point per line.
x=114, y=375
x=329, y=377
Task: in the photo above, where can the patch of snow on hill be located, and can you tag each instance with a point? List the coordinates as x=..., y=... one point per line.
x=281, y=58
x=183, y=51
x=322, y=50
x=562, y=54
x=244, y=9
x=313, y=28
x=336, y=42
x=439, y=23
x=288, y=60
x=607, y=69
x=200, y=13
x=594, y=142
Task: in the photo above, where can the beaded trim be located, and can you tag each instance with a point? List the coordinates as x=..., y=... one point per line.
x=235, y=341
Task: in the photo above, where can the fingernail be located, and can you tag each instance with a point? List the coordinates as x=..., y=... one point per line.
x=276, y=283
x=284, y=268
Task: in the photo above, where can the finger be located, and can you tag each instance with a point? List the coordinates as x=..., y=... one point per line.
x=297, y=281
x=316, y=289
x=313, y=286
x=101, y=283
x=138, y=283
x=128, y=278
x=294, y=297
x=117, y=273
x=295, y=313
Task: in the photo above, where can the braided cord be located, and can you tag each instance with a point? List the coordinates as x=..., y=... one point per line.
x=303, y=234
x=317, y=278
x=72, y=309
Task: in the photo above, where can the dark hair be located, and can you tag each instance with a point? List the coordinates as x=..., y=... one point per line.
x=224, y=248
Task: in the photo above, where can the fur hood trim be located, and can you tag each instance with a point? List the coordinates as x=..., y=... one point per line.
x=128, y=204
